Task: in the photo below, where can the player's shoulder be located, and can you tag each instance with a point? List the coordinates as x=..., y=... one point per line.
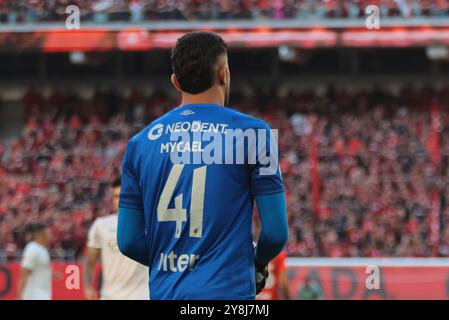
x=151, y=131
x=32, y=247
x=105, y=220
x=246, y=121
x=155, y=128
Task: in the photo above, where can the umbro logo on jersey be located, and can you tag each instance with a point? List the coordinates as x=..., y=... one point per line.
x=187, y=112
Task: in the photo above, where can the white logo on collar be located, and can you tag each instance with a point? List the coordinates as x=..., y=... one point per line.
x=187, y=112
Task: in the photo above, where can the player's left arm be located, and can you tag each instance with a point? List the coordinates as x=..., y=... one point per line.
x=131, y=235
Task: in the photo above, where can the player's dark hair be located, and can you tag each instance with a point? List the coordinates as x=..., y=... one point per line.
x=117, y=182
x=35, y=228
x=193, y=59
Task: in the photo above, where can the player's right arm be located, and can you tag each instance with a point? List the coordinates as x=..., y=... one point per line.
x=27, y=264
x=23, y=278
x=273, y=234
x=268, y=191
x=92, y=257
x=89, y=270
x=274, y=231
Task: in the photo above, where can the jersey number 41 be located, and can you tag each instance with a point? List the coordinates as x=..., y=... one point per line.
x=178, y=214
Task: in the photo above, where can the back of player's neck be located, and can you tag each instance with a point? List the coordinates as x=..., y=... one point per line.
x=185, y=103
x=201, y=99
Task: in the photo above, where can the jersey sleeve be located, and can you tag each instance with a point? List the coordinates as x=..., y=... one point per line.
x=130, y=193
x=94, y=236
x=265, y=174
x=30, y=258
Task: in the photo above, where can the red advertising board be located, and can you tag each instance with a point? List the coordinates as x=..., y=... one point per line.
x=409, y=282
x=9, y=275
x=396, y=283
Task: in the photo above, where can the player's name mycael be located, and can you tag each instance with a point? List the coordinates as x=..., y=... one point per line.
x=199, y=142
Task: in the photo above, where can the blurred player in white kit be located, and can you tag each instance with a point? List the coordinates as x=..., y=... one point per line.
x=123, y=278
x=35, y=274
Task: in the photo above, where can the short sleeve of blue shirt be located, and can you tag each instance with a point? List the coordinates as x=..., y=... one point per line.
x=130, y=193
x=265, y=174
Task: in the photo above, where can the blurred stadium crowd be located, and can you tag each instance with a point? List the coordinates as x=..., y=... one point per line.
x=102, y=11
x=378, y=167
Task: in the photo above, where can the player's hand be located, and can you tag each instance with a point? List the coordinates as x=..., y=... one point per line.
x=91, y=294
x=261, y=278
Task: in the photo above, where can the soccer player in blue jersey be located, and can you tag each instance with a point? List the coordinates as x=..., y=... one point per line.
x=185, y=207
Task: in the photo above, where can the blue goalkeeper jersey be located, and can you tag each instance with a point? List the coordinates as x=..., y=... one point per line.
x=194, y=173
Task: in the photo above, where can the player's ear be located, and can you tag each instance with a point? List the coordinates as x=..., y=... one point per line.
x=175, y=82
x=223, y=74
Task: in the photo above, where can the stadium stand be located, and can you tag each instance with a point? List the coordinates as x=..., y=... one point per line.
x=101, y=11
x=364, y=171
